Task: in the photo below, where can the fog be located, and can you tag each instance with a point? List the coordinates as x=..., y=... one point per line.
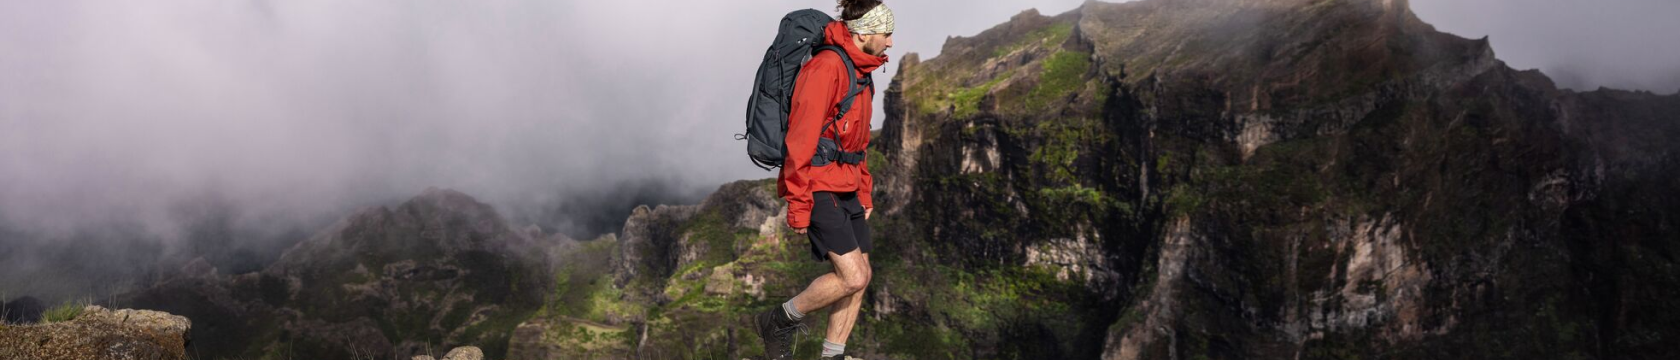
x=1580, y=44
x=136, y=131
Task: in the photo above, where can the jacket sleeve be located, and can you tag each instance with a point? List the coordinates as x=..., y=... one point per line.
x=813, y=96
x=866, y=193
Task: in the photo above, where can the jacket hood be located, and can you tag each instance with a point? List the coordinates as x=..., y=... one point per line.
x=837, y=34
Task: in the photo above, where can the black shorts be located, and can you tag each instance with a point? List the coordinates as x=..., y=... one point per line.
x=837, y=225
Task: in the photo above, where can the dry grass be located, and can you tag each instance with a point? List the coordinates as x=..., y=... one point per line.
x=64, y=312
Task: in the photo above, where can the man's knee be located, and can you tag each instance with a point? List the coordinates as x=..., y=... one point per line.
x=867, y=271
x=854, y=272
x=855, y=283
x=861, y=281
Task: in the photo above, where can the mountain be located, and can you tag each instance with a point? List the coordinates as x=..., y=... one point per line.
x=1220, y=179
x=1199, y=179
x=438, y=271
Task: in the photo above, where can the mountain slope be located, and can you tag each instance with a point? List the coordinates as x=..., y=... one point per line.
x=1220, y=179
x=440, y=270
x=1318, y=179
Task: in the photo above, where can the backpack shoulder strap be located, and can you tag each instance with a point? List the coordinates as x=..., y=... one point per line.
x=856, y=86
x=858, y=83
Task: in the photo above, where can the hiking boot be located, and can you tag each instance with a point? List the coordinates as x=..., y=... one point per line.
x=841, y=357
x=777, y=330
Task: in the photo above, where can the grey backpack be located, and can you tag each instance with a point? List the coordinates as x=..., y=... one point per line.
x=800, y=37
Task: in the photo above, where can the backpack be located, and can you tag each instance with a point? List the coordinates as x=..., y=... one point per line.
x=798, y=39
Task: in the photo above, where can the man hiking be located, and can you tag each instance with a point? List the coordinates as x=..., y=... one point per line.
x=829, y=196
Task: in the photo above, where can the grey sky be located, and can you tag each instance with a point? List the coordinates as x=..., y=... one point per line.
x=1581, y=44
x=117, y=110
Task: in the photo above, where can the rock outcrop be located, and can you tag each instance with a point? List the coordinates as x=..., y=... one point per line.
x=1289, y=179
x=674, y=283
x=99, y=333
x=460, y=353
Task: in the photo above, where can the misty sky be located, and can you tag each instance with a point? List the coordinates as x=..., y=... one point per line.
x=116, y=111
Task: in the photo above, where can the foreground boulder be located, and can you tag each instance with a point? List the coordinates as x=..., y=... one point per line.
x=460, y=353
x=99, y=333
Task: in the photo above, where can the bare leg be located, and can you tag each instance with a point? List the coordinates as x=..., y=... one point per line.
x=851, y=274
x=844, y=312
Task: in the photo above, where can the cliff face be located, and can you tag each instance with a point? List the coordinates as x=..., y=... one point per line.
x=1319, y=179
x=1305, y=179
x=678, y=283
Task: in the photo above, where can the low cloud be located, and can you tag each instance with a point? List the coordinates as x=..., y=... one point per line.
x=133, y=130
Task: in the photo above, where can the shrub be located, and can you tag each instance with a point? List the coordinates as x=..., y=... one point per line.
x=63, y=312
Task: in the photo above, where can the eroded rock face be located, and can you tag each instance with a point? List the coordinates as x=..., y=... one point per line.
x=1381, y=283
x=1353, y=182
x=99, y=333
x=1080, y=258
x=677, y=280
x=648, y=240
x=1149, y=323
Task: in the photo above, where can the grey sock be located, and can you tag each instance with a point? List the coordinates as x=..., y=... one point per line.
x=831, y=349
x=792, y=312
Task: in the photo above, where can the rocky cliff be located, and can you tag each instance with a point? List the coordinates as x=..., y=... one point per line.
x=1295, y=179
x=677, y=283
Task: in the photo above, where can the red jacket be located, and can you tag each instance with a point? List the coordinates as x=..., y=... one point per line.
x=822, y=82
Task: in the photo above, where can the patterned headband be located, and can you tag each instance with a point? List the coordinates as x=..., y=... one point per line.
x=877, y=21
